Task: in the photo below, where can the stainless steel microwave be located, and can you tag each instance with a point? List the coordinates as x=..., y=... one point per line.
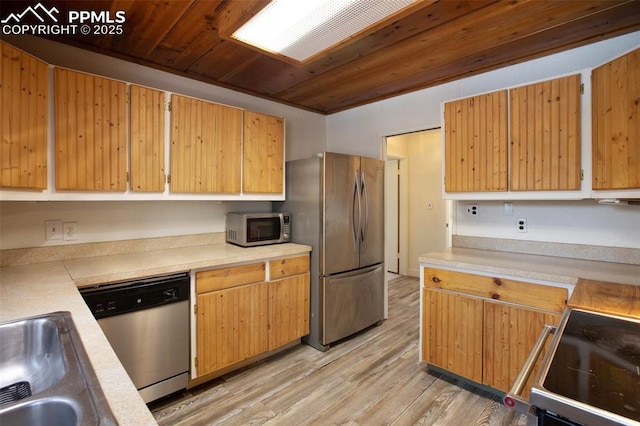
x=257, y=229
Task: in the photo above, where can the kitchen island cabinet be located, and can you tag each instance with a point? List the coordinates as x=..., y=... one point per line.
x=24, y=98
x=483, y=327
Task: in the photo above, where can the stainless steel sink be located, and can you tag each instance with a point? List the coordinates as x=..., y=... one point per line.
x=46, y=376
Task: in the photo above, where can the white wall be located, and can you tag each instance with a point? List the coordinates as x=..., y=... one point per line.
x=578, y=222
x=362, y=131
x=22, y=222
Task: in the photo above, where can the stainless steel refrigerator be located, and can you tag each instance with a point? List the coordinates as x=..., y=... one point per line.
x=336, y=202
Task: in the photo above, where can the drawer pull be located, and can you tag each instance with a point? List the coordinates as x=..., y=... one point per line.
x=435, y=280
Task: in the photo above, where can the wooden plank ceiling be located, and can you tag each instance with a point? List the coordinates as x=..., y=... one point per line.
x=431, y=43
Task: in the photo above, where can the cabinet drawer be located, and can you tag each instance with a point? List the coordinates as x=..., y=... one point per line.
x=286, y=267
x=502, y=289
x=218, y=279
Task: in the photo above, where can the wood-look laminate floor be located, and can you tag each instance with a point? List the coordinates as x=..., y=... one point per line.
x=373, y=378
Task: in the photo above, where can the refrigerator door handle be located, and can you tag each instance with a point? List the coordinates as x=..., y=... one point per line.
x=365, y=195
x=354, y=229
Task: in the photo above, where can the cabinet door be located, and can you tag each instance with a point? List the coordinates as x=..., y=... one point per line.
x=231, y=326
x=23, y=125
x=510, y=333
x=616, y=123
x=90, y=132
x=263, y=154
x=476, y=143
x=545, y=135
x=147, y=139
x=452, y=333
x=206, y=140
x=288, y=310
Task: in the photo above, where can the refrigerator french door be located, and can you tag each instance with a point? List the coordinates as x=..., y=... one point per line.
x=337, y=206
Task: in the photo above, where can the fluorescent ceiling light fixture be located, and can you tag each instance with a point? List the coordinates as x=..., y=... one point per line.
x=300, y=29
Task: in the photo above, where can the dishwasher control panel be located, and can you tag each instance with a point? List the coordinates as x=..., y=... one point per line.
x=121, y=298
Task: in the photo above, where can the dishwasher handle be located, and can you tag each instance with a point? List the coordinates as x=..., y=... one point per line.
x=513, y=399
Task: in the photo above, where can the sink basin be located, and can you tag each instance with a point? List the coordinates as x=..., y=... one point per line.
x=45, y=375
x=31, y=352
x=54, y=412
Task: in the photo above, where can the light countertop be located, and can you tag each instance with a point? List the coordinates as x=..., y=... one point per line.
x=39, y=288
x=119, y=267
x=532, y=266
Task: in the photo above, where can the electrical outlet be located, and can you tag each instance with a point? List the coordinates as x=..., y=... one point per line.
x=521, y=224
x=70, y=231
x=472, y=209
x=52, y=230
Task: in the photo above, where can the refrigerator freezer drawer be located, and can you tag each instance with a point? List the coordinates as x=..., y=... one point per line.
x=353, y=301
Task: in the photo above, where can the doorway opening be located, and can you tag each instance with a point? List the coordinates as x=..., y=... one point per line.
x=416, y=216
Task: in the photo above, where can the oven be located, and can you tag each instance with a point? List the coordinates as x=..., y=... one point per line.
x=589, y=376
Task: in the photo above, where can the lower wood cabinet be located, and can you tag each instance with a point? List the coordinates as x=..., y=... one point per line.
x=510, y=332
x=231, y=326
x=483, y=328
x=288, y=310
x=247, y=310
x=452, y=333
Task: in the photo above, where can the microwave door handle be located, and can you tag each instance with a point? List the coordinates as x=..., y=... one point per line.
x=281, y=233
x=513, y=399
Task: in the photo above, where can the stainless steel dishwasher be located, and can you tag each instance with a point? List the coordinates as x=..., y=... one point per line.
x=147, y=324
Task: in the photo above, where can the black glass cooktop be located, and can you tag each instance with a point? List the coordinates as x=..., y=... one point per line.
x=597, y=362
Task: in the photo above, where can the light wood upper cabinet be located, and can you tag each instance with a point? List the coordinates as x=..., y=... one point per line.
x=545, y=135
x=206, y=141
x=539, y=126
x=616, y=123
x=23, y=125
x=90, y=132
x=147, y=118
x=476, y=143
x=263, y=154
